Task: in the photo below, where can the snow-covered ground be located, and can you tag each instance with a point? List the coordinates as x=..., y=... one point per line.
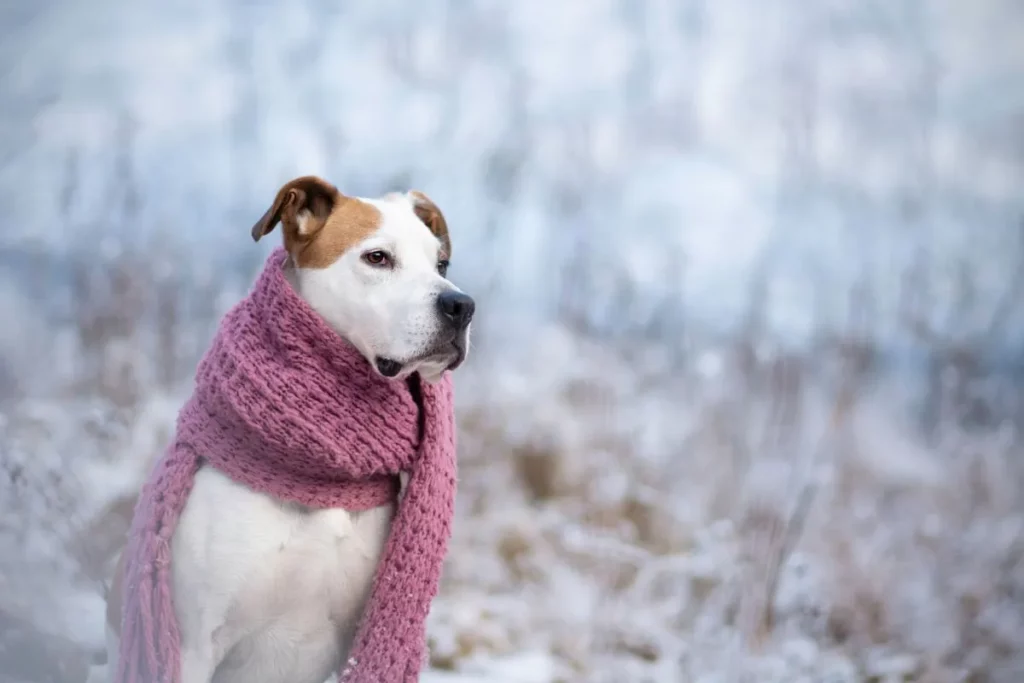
x=746, y=395
x=742, y=515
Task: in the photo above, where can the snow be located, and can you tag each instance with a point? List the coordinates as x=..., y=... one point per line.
x=620, y=520
x=687, y=224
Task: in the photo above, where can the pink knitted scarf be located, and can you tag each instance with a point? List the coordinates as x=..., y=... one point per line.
x=285, y=406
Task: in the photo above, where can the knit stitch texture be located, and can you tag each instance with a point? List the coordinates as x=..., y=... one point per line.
x=287, y=407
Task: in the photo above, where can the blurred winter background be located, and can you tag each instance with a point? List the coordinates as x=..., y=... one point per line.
x=748, y=388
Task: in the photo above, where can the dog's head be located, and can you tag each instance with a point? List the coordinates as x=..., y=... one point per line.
x=376, y=271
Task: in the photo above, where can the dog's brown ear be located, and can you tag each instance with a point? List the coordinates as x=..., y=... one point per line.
x=432, y=217
x=301, y=207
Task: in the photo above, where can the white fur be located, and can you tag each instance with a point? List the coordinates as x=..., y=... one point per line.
x=386, y=312
x=264, y=590
x=270, y=592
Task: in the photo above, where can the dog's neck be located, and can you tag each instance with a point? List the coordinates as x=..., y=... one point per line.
x=291, y=275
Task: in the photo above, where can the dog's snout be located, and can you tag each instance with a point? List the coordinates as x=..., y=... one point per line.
x=456, y=307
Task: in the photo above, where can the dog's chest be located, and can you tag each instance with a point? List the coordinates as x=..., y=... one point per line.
x=314, y=560
x=269, y=571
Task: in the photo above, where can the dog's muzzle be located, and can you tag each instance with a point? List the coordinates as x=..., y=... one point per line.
x=455, y=310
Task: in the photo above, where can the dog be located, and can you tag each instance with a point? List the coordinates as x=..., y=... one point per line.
x=375, y=270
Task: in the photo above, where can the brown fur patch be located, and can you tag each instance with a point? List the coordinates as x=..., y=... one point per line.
x=319, y=222
x=301, y=206
x=350, y=222
x=427, y=211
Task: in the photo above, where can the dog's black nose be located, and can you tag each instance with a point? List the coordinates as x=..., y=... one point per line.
x=456, y=307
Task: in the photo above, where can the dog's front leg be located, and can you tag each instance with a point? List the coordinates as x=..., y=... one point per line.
x=204, y=581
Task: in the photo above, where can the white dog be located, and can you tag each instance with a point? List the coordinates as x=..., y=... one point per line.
x=375, y=270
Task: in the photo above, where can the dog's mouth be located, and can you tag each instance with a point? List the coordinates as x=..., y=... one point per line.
x=448, y=356
x=460, y=352
x=388, y=367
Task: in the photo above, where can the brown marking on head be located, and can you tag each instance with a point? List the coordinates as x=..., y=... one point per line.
x=427, y=211
x=319, y=222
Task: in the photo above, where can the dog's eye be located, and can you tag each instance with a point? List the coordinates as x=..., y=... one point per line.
x=377, y=258
x=442, y=267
